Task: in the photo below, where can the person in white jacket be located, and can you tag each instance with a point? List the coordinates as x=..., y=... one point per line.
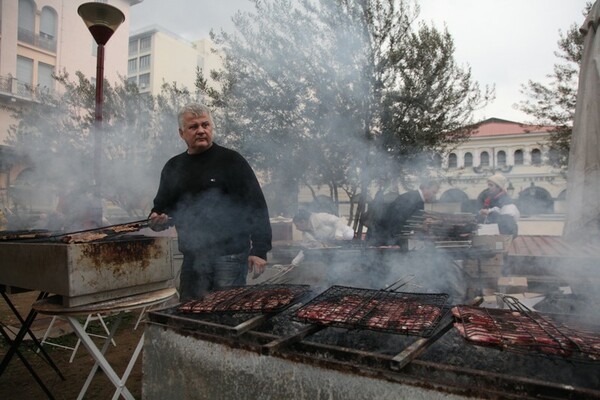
x=320, y=227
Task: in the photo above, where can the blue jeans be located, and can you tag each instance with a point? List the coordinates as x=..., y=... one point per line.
x=200, y=275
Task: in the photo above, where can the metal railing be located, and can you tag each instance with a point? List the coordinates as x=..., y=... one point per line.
x=42, y=40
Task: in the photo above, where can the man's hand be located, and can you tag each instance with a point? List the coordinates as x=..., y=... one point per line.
x=158, y=222
x=256, y=265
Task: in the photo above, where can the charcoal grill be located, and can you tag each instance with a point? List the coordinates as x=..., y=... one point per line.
x=83, y=273
x=416, y=314
x=219, y=355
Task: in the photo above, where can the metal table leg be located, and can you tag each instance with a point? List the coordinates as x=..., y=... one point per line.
x=16, y=343
x=102, y=362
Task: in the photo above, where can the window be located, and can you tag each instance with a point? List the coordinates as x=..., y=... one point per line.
x=26, y=21
x=144, y=63
x=452, y=160
x=501, y=156
x=519, y=157
x=437, y=160
x=45, y=80
x=144, y=81
x=132, y=66
x=468, y=160
x=132, y=79
x=24, y=76
x=133, y=47
x=145, y=43
x=484, y=159
x=48, y=29
x=536, y=157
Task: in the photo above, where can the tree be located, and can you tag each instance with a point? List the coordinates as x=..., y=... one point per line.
x=554, y=103
x=342, y=93
x=139, y=133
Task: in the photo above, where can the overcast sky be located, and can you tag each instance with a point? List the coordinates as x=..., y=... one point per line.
x=505, y=42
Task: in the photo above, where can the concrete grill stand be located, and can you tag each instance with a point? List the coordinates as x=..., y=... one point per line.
x=189, y=356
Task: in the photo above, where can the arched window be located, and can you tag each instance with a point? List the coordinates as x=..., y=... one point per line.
x=452, y=160
x=485, y=159
x=501, y=157
x=48, y=22
x=519, y=157
x=468, y=160
x=437, y=160
x=26, y=21
x=536, y=157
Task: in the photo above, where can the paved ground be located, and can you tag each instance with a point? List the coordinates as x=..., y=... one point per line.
x=17, y=383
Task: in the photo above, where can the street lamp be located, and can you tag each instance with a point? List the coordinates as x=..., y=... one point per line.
x=102, y=20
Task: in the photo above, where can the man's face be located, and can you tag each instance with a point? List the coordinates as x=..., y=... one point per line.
x=197, y=132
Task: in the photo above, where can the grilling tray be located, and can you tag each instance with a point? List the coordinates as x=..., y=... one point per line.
x=525, y=331
x=267, y=298
x=416, y=314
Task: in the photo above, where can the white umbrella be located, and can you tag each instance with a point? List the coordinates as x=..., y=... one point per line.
x=583, y=178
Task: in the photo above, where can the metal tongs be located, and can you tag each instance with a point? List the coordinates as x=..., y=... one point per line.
x=110, y=230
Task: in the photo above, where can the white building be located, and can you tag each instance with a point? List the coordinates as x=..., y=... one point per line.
x=157, y=56
x=518, y=151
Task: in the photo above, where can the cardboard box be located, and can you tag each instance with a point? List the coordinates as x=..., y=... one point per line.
x=512, y=284
x=492, y=242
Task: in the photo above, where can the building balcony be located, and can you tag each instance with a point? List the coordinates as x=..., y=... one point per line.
x=12, y=87
x=41, y=40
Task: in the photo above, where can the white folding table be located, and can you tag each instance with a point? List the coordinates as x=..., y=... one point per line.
x=52, y=306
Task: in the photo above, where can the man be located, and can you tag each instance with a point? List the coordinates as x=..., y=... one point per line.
x=498, y=207
x=322, y=227
x=213, y=198
x=391, y=224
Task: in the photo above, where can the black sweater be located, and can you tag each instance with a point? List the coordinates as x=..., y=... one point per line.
x=216, y=203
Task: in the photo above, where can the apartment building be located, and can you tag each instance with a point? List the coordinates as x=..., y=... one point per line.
x=158, y=56
x=37, y=39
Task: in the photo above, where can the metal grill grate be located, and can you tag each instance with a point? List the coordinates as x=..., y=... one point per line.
x=525, y=331
x=248, y=299
x=416, y=314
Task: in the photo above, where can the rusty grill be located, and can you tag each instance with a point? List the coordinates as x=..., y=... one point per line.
x=266, y=298
x=415, y=314
x=525, y=331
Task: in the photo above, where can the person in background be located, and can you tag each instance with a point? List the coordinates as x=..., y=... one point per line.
x=211, y=194
x=498, y=207
x=386, y=230
x=322, y=227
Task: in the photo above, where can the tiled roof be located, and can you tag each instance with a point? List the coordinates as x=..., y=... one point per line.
x=499, y=127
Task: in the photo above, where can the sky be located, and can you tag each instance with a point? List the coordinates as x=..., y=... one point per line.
x=505, y=42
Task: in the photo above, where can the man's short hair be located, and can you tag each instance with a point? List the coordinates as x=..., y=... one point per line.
x=301, y=215
x=193, y=108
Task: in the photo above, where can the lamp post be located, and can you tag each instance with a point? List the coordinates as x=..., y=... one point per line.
x=102, y=20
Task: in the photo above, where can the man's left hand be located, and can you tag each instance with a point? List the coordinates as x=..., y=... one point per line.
x=256, y=265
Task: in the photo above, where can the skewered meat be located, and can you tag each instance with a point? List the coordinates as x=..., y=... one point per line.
x=83, y=237
x=264, y=298
x=387, y=313
x=515, y=330
x=347, y=309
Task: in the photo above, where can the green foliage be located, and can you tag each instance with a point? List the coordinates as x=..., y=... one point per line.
x=554, y=103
